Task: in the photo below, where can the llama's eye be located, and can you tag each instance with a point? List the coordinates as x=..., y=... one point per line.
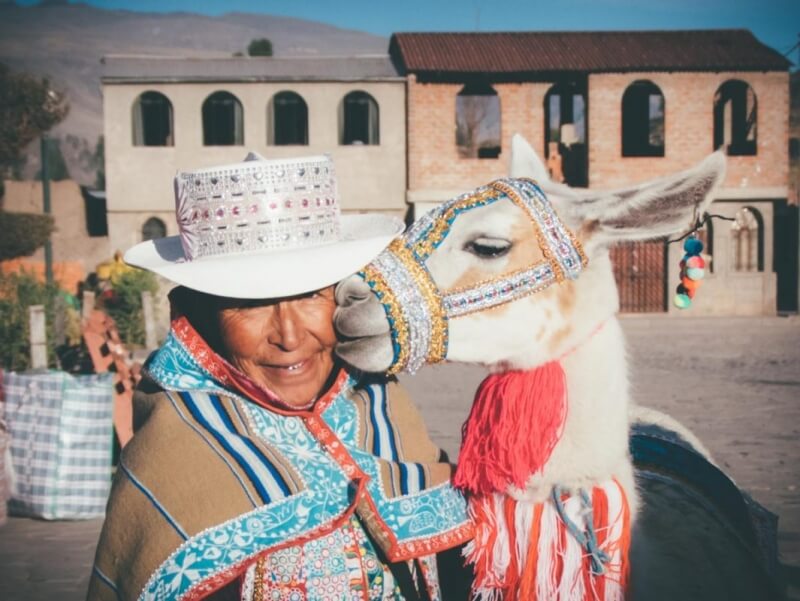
x=488, y=248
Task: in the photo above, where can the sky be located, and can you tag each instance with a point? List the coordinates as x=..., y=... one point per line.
x=774, y=22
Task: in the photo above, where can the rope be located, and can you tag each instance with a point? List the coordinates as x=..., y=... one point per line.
x=586, y=540
x=699, y=224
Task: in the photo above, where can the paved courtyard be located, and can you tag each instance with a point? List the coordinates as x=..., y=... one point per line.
x=735, y=382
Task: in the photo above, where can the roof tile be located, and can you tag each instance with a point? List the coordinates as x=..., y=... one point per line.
x=583, y=51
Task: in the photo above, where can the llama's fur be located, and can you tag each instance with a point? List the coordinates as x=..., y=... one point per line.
x=575, y=323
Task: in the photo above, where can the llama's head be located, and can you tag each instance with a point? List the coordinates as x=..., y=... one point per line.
x=512, y=275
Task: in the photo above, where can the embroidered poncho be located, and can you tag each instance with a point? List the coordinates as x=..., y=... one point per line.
x=212, y=482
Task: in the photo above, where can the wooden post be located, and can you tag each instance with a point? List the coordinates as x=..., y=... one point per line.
x=149, y=320
x=88, y=304
x=38, y=337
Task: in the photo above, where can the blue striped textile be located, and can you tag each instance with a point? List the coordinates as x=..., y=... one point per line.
x=61, y=436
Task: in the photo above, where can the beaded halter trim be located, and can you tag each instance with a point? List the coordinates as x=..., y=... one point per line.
x=418, y=312
x=257, y=205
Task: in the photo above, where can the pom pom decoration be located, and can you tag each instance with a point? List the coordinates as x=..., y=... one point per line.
x=695, y=273
x=695, y=262
x=690, y=284
x=692, y=267
x=682, y=301
x=693, y=246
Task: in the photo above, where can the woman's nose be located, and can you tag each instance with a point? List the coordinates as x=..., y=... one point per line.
x=286, y=330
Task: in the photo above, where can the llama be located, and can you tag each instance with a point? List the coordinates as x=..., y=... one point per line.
x=477, y=281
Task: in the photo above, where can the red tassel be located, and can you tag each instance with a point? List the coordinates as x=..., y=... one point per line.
x=516, y=420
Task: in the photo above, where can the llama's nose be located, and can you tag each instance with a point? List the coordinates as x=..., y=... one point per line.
x=358, y=313
x=352, y=291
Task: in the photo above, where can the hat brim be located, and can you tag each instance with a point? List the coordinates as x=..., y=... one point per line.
x=271, y=274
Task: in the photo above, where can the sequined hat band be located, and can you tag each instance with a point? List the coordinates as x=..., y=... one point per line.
x=418, y=312
x=257, y=205
x=264, y=228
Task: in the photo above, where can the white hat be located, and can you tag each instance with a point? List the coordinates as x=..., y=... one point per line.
x=263, y=229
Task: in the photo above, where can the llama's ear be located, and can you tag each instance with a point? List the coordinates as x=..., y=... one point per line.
x=660, y=207
x=525, y=162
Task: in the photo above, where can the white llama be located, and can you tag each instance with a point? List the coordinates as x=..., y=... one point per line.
x=470, y=283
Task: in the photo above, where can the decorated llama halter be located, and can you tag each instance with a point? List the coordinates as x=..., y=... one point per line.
x=418, y=312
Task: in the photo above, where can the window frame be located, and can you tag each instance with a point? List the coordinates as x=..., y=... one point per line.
x=140, y=119
x=212, y=136
x=637, y=116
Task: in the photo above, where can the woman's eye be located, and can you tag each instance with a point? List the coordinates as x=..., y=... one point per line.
x=488, y=248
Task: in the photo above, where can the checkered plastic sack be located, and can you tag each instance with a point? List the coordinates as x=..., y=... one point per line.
x=5, y=458
x=4, y=484
x=61, y=433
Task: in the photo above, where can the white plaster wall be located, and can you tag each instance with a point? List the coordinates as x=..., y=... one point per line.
x=139, y=178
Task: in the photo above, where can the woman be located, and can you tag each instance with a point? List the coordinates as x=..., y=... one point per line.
x=261, y=468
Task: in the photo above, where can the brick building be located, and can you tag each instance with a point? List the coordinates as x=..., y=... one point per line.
x=607, y=109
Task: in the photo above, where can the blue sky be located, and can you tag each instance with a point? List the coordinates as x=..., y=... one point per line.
x=775, y=22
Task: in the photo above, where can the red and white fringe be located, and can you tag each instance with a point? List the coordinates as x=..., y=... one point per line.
x=524, y=551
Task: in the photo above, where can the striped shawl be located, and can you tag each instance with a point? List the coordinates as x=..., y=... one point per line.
x=212, y=481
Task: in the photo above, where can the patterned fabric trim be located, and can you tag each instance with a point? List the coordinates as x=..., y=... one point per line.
x=336, y=477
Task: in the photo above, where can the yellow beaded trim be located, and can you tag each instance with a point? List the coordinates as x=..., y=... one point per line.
x=438, y=319
x=437, y=348
x=395, y=312
x=258, y=579
x=429, y=243
x=512, y=194
x=558, y=271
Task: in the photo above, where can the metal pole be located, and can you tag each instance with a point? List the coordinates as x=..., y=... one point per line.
x=48, y=247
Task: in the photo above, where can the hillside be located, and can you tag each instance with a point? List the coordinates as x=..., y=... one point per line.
x=66, y=43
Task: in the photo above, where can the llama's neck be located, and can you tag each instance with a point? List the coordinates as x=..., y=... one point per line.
x=594, y=444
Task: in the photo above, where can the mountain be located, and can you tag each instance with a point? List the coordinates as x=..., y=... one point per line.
x=65, y=42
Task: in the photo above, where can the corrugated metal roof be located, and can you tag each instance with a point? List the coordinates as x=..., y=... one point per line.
x=150, y=69
x=583, y=51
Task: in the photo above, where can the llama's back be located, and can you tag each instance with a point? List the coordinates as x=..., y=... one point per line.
x=696, y=537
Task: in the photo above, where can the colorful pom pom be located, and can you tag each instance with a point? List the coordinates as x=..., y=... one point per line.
x=682, y=301
x=695, y=273
x=693, y=246
x=696, y=262
x=692, y=272
x=690, y=284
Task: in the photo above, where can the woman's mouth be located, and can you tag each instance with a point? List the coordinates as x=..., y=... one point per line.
x=291, y=369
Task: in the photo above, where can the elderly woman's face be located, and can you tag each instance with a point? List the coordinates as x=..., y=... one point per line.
x=286, y=345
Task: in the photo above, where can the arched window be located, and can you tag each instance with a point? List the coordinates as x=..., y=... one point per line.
x=735, y=118
x=643, y=120
x=478, y=122
x=153, y=229
x=359, y=122
x=287, y=120
x=223, y=120
x=152, y=120
x=747, y=233
x=706, y=235
x=565, y=132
